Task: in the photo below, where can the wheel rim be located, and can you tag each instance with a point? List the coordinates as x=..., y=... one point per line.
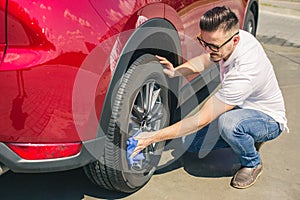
x=250, y=27
x=147, y=115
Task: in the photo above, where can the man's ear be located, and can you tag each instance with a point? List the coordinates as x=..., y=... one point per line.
x=236, y=39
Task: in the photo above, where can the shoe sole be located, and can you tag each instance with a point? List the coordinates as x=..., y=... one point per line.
x=244, y=187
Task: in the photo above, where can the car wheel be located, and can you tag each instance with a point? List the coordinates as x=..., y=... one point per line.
x=141, y=102
x=250, y=24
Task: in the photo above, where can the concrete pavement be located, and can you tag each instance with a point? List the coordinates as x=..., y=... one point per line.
x=279, y=22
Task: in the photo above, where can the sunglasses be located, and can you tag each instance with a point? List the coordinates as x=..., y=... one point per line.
x=213, y=47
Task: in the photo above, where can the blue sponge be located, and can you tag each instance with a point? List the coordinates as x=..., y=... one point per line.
x=136, y=161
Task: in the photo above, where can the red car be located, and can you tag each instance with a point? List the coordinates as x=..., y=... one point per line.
x=78, y=78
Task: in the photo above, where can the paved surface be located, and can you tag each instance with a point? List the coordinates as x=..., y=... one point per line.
x=279, y=22
x=208, y=178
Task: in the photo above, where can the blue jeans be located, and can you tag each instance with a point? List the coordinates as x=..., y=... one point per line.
x=238, y=129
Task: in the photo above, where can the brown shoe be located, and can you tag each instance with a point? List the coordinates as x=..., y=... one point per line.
x=246, y=177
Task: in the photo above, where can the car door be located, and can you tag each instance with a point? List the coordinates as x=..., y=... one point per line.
x=2, y=28
x=196, y=88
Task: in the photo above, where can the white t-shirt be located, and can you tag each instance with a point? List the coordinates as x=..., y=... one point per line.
x=248, y=80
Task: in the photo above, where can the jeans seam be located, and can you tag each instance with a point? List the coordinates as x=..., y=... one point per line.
x=271, y=135
x=242, y=120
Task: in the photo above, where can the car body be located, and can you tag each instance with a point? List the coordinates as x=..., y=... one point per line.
x=63, y=64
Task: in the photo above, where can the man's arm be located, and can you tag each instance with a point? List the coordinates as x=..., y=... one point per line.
x=209, y=112
x=195, y=65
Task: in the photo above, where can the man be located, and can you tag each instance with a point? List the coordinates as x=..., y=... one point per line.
x=248, y=107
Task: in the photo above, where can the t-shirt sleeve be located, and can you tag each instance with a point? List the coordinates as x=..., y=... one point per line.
x=235, y=89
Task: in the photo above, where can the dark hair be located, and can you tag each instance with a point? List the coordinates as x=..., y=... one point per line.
x=219, y=17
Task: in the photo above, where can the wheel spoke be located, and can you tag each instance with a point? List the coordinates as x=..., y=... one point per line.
x=148, y=98
x=135, y=120
x=136, y=113
x=155, y=96
x=140, y=101
x=149, y=149
x=156, y=117
x=157, y=108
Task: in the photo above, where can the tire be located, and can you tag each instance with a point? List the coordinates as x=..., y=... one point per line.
x=250, y=23
x=132, y=110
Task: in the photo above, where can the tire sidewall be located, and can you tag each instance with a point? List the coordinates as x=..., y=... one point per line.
x=250, y=19
x=136, y=77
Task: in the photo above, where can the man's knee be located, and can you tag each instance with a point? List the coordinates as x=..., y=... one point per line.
x=227, y=123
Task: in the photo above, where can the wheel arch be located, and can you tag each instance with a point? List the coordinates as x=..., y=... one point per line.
x=156, y=36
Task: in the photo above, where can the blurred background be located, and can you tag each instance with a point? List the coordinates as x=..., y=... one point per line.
x=279, y=22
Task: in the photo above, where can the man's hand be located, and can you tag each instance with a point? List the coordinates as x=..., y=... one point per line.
x=144, y=139
x=193, y=66
x=169, y=70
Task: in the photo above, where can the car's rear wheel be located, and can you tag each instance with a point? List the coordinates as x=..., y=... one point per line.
x=250, y=24
x=141, y=102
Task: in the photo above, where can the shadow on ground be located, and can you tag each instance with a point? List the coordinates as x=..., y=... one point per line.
x=74, y=185
x=218, y=163
x=69, y=185
x=276, y=41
